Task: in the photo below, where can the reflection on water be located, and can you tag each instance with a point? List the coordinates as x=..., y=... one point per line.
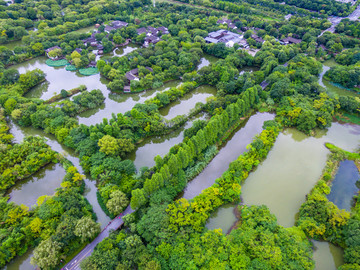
x=343, y=186
x=187, y=102
x=120, y=103
x=43, y=182
x=292, y=168
x=330, y=88
x=90, y=188
x=234, y=147
x=223, y=218
x=159, y=145
x=327, y=256
x=21, y=262
x=58, y=78
x=206, y=60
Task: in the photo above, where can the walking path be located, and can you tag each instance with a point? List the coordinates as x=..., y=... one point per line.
x=336, y=20
x=115, y=224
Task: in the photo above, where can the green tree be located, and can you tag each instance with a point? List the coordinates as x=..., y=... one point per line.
x=86, y=228
x=117, y=203
x=108, y=145
x=46, y=254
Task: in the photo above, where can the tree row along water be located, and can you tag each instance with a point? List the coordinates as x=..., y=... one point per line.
x=289, y=172
x=113, y=103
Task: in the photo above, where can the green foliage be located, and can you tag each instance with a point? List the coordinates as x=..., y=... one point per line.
x=70, y=68
x=22, y=160
x=56, y=63
x=86, y=229
x=347, y=76
x=88, y=71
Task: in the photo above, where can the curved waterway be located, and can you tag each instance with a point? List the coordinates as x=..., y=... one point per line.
x=206, y=60
x=90, y=190
x=343, y=187
x=120, y=103
x=21, y=262
x=233, y=148
x=187, y=102
x=330, y=88
x=159, y=145
x=58, y=78
x=43, y=182
x=292, y=168
x=327, y=256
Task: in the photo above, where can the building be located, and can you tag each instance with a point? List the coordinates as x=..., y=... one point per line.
x=115, y=25
x=291, y=40
x=229, y=23
x=224, y=36
x=287, y=17
x=133, y=75
x=257, y=39
x=151, y=40
x=90, y=40
x=153, y=35
x=163, y=30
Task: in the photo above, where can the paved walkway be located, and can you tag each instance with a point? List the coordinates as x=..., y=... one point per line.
x=336, y=20
x=115, y=224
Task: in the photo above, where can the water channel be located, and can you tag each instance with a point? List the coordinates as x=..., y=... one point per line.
x=159, y=145
x=343, y=186
x=330, y=88
x=90, y=191
x=187, y=102
x=234, y=147
x=291, y=169
x=327, y=256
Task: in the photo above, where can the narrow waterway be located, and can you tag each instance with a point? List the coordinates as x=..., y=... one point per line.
x=159, y=145
x=233, y=148
x=343, y=187
x=330, y=88
x=43, y=182
x=292, y=167
x=120, y=103
x=21, y=262
x=327, y=256
x=206, y=60
x=187, y=102
x=90, y=191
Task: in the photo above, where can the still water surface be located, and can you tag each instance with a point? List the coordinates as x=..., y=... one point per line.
x=327, y=256
x=234, y=147
x=43, y=182
x=159, y=145
x=292, y=168
x=343, y=186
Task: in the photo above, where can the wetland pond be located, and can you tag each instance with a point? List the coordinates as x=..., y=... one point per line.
x=184, y=104
x=292, y=168
x=159, y=145
x=343, y=187
x=43, y=182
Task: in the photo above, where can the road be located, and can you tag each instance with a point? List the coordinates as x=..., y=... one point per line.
x=115, y=224
x=336, y=20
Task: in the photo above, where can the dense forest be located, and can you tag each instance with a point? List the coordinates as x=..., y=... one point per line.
x=272, y=64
